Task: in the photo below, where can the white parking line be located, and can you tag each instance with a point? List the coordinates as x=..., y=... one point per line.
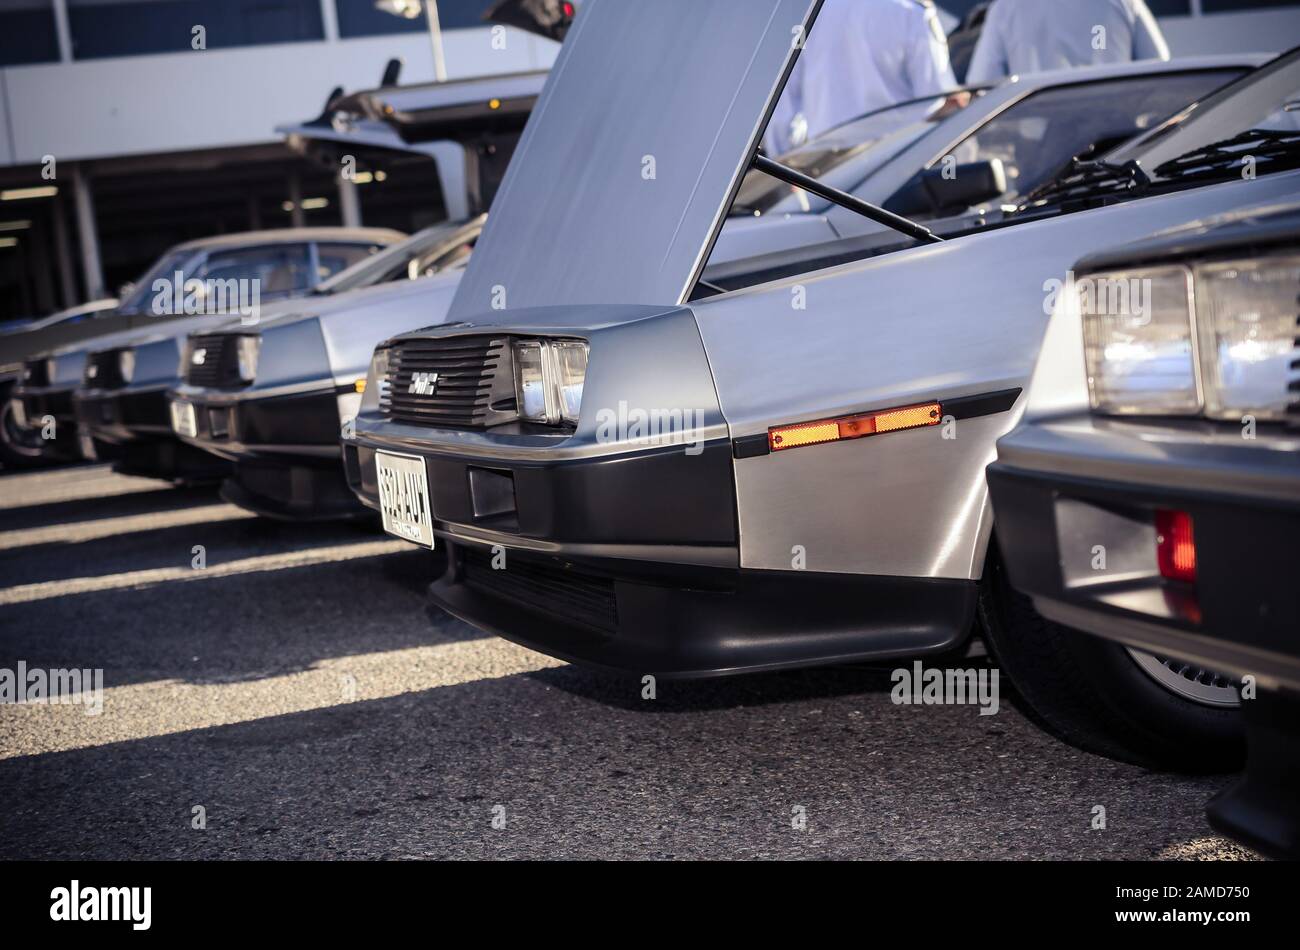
x=147, y=710
x=79, y=531
x=26, y=593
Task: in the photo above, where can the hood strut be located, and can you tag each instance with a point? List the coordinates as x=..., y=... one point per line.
x=845, y=200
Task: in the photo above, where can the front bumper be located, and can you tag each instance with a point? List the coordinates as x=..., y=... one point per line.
x=121, y=416
x=1068, y=492
x=284, y=448
x=138, y=423
x=630, y=562
x=275, y=425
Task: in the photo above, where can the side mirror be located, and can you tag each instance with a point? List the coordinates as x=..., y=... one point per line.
x=965, y=185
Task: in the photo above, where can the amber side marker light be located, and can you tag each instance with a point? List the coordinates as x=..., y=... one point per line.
x=1175, y=546
x=855, y=426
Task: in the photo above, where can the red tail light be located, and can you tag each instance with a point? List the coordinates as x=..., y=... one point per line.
x=1175, y=546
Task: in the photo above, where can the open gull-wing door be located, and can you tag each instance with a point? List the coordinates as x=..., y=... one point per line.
x=468, y=127
x=648, y=121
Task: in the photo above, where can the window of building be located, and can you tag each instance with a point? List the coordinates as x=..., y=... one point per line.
x=27, y=33
x=102, y=28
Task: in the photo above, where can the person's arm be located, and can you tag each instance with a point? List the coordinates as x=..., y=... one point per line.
x=929, y=71
x=1148, y=40
x=989, y=62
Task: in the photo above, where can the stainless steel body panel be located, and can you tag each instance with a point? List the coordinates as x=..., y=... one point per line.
x=365, y=317
x=950, y=320
x=639, y=140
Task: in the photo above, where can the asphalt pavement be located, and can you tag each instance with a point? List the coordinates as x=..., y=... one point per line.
x=284, y=691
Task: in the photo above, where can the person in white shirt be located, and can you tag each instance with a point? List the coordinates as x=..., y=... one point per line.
x=860, y=55
x=1029, y=36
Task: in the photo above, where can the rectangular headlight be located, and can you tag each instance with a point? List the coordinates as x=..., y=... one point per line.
x=1246, y=316
x=549, y=376
x=247, y=348
x=1139, y=343
x=529, y=383
x=570, y=364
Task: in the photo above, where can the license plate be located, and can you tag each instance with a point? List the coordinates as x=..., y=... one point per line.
x=404, y=497
x=184, y=420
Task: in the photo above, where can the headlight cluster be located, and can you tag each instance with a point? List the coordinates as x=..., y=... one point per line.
x=549, y=375
x=1214, y=339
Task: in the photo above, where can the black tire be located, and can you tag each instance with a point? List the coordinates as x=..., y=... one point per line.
x=16, y=451
x=1092, y=693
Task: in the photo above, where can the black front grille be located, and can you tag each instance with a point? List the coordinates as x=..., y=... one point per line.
x=461, y=396
x=104, y=370
x=36, y=373
x=212, y=361
x=566, y=595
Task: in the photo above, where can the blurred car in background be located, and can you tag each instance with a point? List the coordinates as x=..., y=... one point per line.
x=1151, y=494
x=954, y=163
x=196, y=278
x=272, y=398
x=69, y=315
x=692, y=483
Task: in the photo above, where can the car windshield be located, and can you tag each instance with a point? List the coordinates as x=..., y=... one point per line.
x=1265, y=98
x=1040, y=135
x=164, y=269
x=1251, y=126
x=864, y=142
x=390, y=263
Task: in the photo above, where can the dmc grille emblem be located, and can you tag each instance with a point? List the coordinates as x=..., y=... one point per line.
x=198, y=356
x=422, y=384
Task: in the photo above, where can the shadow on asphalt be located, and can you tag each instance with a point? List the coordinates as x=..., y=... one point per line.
x=247, y=626
x=420, y=775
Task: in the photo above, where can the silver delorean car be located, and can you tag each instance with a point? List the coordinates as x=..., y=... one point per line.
x=894, y=156
x=286, y=263
x=272, y=397
x=632, y=470
x=1151, y=494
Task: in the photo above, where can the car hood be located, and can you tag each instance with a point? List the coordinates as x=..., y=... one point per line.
x=648, y=120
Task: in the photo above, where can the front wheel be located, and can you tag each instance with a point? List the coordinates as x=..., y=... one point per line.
x=19, y=447
x=1106, y=698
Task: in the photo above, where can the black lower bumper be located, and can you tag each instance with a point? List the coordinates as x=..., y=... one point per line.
x=125, y=416
x=669, y=621
x=284, y=452
x=631, y=562
x=1243, y=612
x=292, y=491
x=285, y=427
x=137, y=423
